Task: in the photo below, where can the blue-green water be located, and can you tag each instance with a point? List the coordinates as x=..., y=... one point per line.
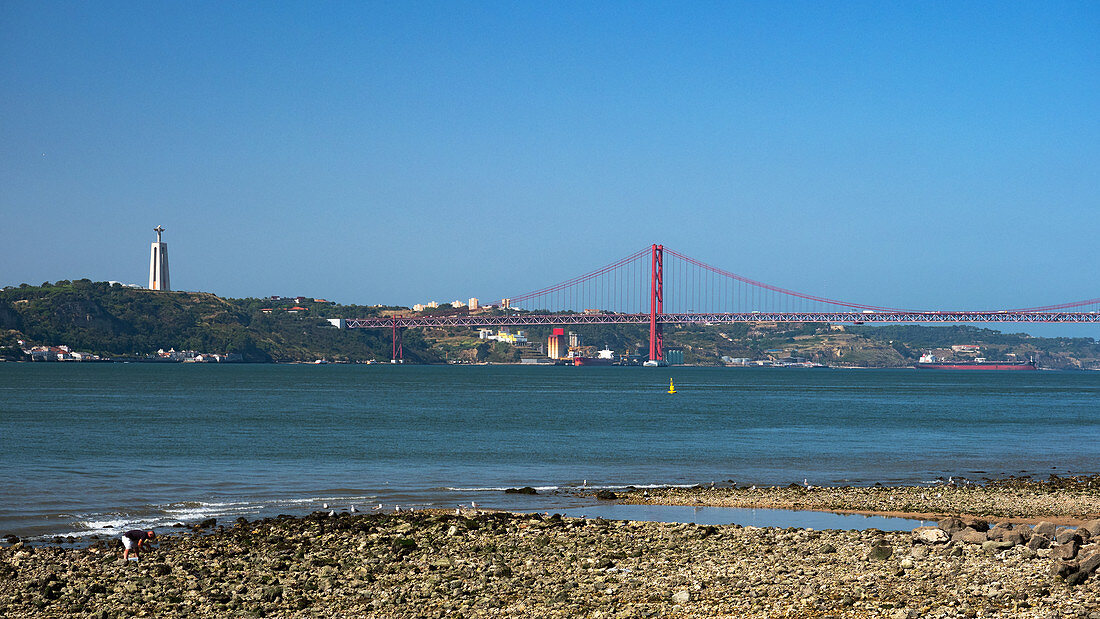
x=90, y=445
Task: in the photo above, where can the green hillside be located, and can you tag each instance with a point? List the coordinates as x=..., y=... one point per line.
x=116, y=321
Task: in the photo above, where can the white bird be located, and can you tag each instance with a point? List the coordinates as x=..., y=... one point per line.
x=353, y=510
x=332, y=514
x=324, y=505
x=473, y=505
x=396, y=509
x=376, y=507
x=585, y=484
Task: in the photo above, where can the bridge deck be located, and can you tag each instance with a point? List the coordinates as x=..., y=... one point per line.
x=520, y=319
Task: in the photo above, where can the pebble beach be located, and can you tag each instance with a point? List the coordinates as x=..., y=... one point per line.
x=999, y=550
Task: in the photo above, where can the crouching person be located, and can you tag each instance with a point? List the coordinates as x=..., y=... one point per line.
x=136, y=541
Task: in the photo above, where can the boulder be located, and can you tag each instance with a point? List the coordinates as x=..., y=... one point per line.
x=930, y=535
x=1066, y=535
x=1076, y=578
x=1061, y=569
x=996, y=546
x=969, y=536
x=1047, y=529
x=1093, y=527
x=951, y=525
x=606, y=495
x=1066, y=551
x=1089, y=564
x=998, y=532
x=1038, y=541
x=523, y=490
x=881, y=553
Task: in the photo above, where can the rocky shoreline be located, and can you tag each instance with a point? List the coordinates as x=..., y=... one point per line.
x=497, y=564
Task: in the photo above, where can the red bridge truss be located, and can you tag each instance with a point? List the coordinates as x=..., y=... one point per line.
x=659, y=286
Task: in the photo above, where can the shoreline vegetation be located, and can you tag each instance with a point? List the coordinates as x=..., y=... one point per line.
x=981, y=560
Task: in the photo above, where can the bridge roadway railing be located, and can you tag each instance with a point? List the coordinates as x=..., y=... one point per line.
x=520, y=319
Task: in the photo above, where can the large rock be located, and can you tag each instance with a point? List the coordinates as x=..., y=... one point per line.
x=1066, y=551
x=1090, y=564
x=1046, y=529
x=881, y=552
x=1062, y=569
x=1076, y=578
x=951, y=525
x=1065, y=536
x=1093, y=527
x=996, y=546
x=1038, y=541
x=969, y=536
x=930, y=535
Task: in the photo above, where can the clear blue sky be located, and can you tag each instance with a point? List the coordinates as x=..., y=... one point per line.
x=914, y=154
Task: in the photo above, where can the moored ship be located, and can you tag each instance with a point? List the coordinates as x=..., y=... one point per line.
x=930, y=362
x=591, y=361
x=605, y=357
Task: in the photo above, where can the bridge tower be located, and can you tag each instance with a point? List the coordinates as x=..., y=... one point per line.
x=656, y=304
x=398, y=355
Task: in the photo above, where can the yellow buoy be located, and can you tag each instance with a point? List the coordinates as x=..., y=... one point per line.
x=671, y=387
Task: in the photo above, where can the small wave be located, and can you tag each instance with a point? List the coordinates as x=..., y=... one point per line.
x=105, y=526
x=500, y=489
x=319, y=500
x=628, y=486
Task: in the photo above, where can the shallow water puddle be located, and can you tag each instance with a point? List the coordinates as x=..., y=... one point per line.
x=782, y=518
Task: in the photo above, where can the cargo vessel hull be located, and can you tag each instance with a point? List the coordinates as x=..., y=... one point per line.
x=976, y=366
x=592, y=361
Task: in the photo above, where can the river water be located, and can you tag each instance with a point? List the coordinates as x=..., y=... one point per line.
x=92, y=448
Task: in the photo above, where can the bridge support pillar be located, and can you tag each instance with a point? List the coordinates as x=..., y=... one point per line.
x=656, y=304
x=398, y=355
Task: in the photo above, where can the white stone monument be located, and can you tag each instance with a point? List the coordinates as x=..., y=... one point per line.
x=158, y=264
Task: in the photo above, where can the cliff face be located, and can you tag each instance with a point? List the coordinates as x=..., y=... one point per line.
x=9, y=318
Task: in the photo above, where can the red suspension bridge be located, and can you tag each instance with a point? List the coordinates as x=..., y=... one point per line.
x=659, y=286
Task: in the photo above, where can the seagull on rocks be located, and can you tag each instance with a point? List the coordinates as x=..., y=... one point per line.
x=353, y=510
x=377, y=507
x=324, y=505
x=396, y=509
x=332, y=514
